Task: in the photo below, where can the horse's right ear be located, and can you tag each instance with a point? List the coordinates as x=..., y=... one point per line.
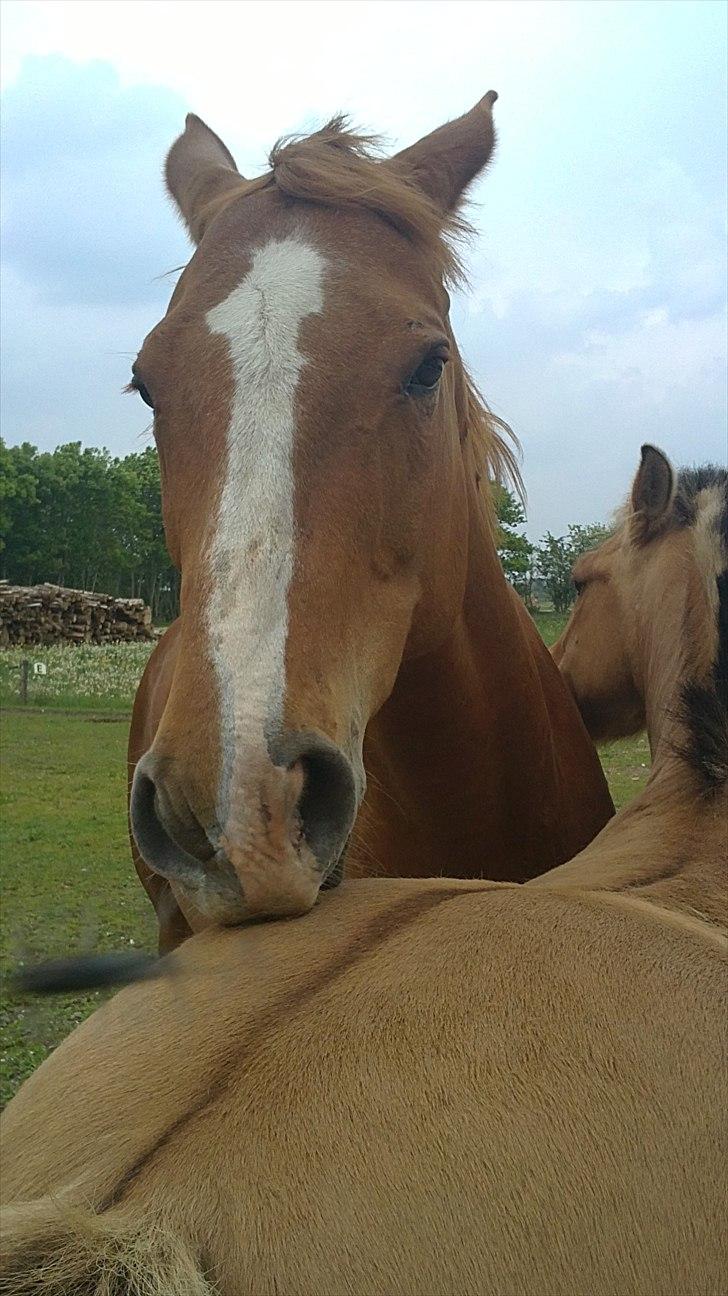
x=445, y=162
x=198, y=169
x=653, y=490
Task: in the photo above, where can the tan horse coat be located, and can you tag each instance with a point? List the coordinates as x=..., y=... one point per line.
x=647, y=647
x=424, y=1088
x=421, y=1088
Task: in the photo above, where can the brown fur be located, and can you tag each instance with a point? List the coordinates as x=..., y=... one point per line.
x=401, y=627
x=454, y=1088
x=419, y=1087
x=461, y=1089
x=649, y=638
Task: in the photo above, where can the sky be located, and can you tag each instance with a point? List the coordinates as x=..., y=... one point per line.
x=595, y=317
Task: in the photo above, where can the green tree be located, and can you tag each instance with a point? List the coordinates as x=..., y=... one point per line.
x=556, y=555
x=151, y=575
x=554, y=566
x=18, y=503
x=584, y=538
x=79, y=517
x=514, y=548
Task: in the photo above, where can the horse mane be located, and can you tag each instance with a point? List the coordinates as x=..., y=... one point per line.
x=690, y=483
x=339, y=167
x=495, y=445
x=703, y=704
x=53, y=1247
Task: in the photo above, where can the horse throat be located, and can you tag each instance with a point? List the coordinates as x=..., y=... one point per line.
x=478, y=763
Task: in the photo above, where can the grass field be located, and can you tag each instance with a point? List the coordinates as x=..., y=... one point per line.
x=67, y=877
x=83, y=678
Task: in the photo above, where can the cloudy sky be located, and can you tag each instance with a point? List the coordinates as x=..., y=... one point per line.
x=596, y=314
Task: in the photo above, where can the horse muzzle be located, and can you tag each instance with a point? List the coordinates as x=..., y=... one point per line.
x=286, y=826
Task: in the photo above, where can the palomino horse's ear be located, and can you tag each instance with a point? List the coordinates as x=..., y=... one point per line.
x=653, y=489
x=199, y=167
x=444, y=163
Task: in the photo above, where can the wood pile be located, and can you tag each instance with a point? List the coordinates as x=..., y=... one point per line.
x=47, y=614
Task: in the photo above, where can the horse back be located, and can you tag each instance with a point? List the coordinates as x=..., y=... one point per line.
x=420, y=1086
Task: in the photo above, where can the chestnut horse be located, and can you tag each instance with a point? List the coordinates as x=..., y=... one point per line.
x=431, y=1086
x=349, y=660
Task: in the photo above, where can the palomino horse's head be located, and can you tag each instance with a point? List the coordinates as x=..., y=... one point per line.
x=634, y=587
x=312, y=418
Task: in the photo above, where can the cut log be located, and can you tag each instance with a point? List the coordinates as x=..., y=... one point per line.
x=47, y=614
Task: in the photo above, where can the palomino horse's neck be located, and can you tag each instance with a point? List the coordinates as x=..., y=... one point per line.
x=689, y=827
x=670, y=844
x=485, y=725
x=661, y=655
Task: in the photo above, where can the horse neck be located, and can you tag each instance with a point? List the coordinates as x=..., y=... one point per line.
x=660, y=662
x=689, y=830
x=478, y=760
x=669, y=843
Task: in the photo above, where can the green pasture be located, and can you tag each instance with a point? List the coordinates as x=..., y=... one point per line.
x=87, y=677
x=67, y=879
x=550, y=625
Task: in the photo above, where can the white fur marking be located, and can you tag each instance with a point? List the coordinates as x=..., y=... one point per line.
x=252, y=555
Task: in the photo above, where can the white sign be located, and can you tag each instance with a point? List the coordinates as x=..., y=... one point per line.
x=39, y=668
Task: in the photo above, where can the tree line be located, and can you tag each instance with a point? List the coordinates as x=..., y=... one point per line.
x=545, y=567
x=80, y=517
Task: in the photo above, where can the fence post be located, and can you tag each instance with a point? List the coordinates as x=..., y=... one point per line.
x=24, y=673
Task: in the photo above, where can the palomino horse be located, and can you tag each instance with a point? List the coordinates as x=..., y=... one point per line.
x=652, y=610
x=427, y=1087
x=325, y=477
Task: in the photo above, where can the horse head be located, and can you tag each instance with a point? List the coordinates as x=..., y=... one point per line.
x=311, y=413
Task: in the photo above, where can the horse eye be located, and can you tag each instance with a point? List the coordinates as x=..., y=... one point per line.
x=579, y=586
x=138, y=386
x=427, y=376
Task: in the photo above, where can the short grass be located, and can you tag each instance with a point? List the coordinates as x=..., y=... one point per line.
x=67, y=877
x=550, y=625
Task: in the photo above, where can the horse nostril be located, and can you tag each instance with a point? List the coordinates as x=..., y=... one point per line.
x=159, y=849
x=327, y=802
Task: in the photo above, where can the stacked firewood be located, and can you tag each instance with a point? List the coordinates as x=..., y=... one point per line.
x=45, y=614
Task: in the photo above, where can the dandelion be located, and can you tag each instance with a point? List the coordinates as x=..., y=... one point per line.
x=103, y=672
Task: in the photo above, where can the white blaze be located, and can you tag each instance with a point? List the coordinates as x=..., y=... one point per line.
x=252, y=554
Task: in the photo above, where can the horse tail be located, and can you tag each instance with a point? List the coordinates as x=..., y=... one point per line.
x=81, y=972
x=49, y=1248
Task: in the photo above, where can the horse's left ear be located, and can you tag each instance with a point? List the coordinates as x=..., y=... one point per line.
x=444, y=163
x=199, y=167
x=653, y=489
